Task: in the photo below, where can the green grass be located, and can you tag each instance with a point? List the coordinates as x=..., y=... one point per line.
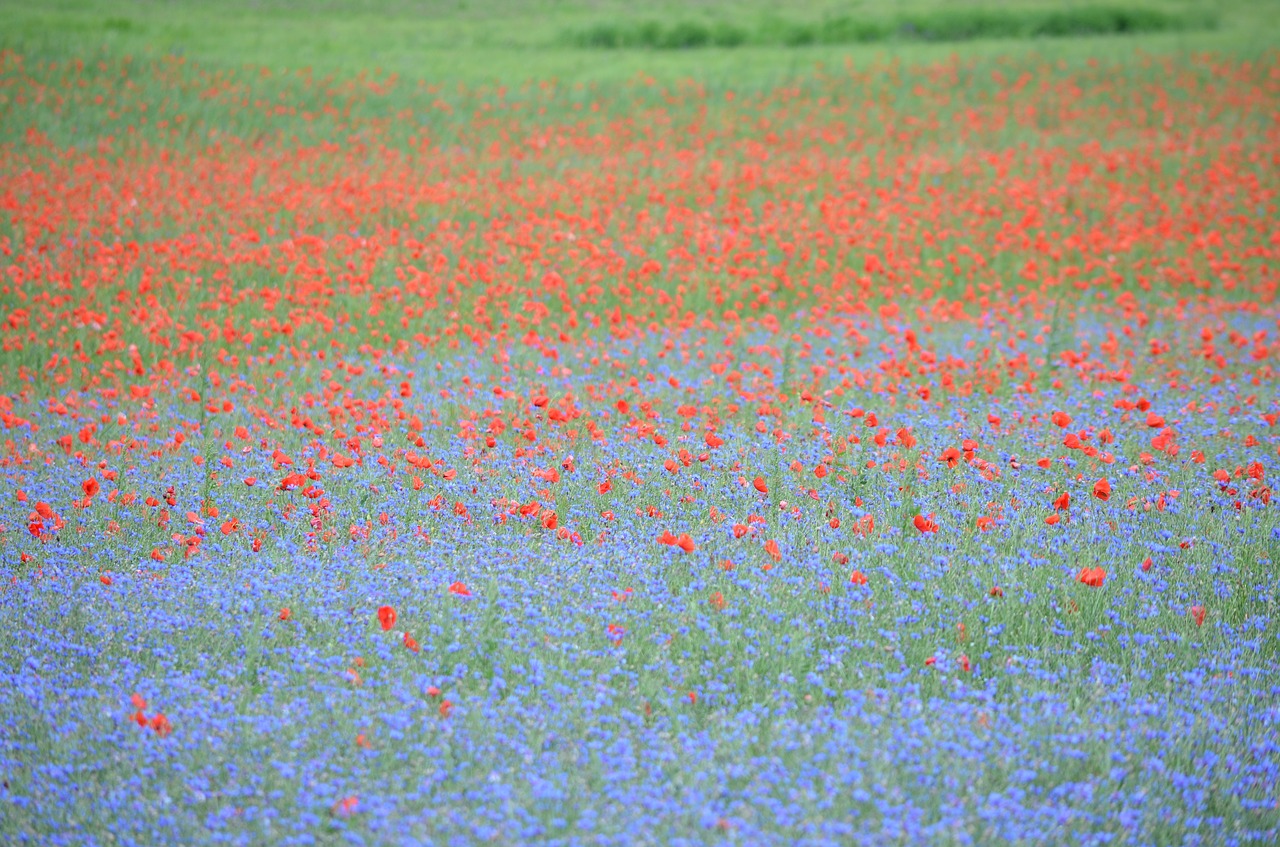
x=509, y=43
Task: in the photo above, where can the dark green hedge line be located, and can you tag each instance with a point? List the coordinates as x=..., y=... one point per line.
x=939, y=25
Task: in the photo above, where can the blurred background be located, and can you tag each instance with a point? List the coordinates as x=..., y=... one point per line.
x=727, y=41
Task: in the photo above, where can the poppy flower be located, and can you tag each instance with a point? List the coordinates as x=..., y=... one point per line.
x=411, y=643
x=1062, y=419
x=459, y=589
x=760, y=485
x=858, y=578
x=1102, y=490
x=386, y=617
x=1092, y=577
x=285, y=614
x=1197, y=615
x=89, y=487
x=923, y=524
x=996, y=591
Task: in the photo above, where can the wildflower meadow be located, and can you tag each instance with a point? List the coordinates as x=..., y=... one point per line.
x=880, y=453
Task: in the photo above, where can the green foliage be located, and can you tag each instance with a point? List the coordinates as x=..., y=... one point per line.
x=940, y=25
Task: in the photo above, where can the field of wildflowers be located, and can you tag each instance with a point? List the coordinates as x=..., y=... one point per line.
x=879, y=458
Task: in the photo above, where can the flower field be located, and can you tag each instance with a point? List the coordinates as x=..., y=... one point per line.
x=880, y=458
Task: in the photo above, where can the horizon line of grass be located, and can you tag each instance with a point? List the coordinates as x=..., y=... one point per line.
x=941, y=25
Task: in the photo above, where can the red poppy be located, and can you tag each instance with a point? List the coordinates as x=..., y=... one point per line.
x=924, y=524
x=90, y=487
x=1197, y=615
x=858, y=578
x=1092, y=577
x=160, y=724
x=411, y=643
x=459, y=589
x=386, y=617
x=760, y=485
x=1062, y=419
x=1102, y=490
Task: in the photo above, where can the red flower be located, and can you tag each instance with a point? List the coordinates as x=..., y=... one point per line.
x=459, y=589
x=285, y=614
x=90, y=487
x=1102, y=490
x=924, y=524
x=1062, y=419
x=386, y=617
x=1197, y=614
x=1092, y=577
x=161, y=725
x=411, y=643
x=858, y=578
x=760, y=485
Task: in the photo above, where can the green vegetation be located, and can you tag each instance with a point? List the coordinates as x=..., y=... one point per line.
x=942, y=24
x=744, y=43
